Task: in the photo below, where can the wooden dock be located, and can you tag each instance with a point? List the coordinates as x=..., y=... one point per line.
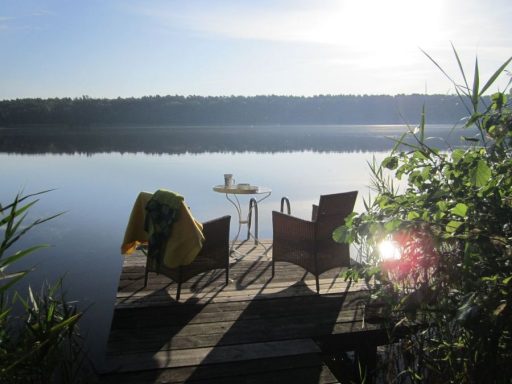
x=255, y=330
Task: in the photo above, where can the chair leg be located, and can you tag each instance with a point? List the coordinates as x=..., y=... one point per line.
x=273, y=267
x=227, y=275
x=146, y=271
x=179, y=292
x=180, y=280
x=316, y=275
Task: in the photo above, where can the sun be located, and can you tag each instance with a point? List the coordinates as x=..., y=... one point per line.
x=389, y=250
x=381, y=26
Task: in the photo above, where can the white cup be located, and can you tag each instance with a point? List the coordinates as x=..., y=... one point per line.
x=228, y=180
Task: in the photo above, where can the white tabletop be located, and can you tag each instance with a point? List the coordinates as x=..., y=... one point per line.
x=235, y=189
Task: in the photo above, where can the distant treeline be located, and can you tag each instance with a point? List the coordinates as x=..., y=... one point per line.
x=257, y=110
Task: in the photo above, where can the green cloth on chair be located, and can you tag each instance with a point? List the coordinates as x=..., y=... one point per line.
x=162, y=211
x=169, y=198
x=181, y=246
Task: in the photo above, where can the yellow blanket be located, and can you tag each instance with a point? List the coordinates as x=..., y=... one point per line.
x=183, y=245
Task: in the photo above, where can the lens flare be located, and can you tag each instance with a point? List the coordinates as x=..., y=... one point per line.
x=389, y=250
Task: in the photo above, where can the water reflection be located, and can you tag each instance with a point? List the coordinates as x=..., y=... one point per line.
x=97, y=189
x=336, y=138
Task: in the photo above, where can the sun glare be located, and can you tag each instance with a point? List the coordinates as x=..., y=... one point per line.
x=389, y=250
x=387, y=29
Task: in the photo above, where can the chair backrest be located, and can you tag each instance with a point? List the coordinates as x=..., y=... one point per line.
x=337, y=204
x=332, y=211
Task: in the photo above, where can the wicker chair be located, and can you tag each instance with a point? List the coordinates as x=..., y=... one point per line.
x=213, y=255
x=309, y=244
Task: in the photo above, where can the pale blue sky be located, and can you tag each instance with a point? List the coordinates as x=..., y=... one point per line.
x=111, y=48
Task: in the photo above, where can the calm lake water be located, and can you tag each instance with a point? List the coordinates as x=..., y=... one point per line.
x=96, y=191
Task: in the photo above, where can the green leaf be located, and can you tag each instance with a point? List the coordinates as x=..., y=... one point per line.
x=495, y=76
x=18, y=199
x=4, y=314
x=480, y=175
x=460, y=210
x=507, y=280
x=476, y=86
x=461, y=68
x=473, y=119
x=499, y=309
x=67, y=323
x=13, y=279
x=350, y=219
x=457, y=155
x=390, y=162
x=16, y=212
x=342, y=235
x=452, y=226
x=392, y=225
x=51, y=310
x=18, y=255
x=441, y=68
x=442, y=205
x=422, y=125
x=412, y=215
x=399, y=142
x=498, y=100
x=472, y=139
x=418, y=155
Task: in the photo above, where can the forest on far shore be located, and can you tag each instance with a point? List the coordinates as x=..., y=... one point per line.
x=231, y=110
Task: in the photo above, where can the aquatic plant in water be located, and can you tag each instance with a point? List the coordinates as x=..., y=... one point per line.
x=39, y=343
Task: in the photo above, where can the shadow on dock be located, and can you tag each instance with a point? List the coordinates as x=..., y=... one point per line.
x=256, y=329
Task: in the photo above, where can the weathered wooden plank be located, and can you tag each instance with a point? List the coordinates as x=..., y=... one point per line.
x=253, y=324
x=235, y=266
x=267, y=311
x=211, y=297
x=242, y=332
x=125, y=341
x=134, y=279
x=236, y=288
x=168, y=316
x=236, y=283
x=219, y=294
x=309, y=368
x=345, y=334
x=213, y=355
x=291, y=288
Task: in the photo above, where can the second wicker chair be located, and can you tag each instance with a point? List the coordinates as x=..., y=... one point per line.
x=309, y=244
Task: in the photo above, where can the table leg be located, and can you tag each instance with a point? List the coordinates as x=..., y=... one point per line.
x=236, y=204
x=253, y=205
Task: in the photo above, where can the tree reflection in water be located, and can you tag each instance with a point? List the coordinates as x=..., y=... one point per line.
x=330, y=138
